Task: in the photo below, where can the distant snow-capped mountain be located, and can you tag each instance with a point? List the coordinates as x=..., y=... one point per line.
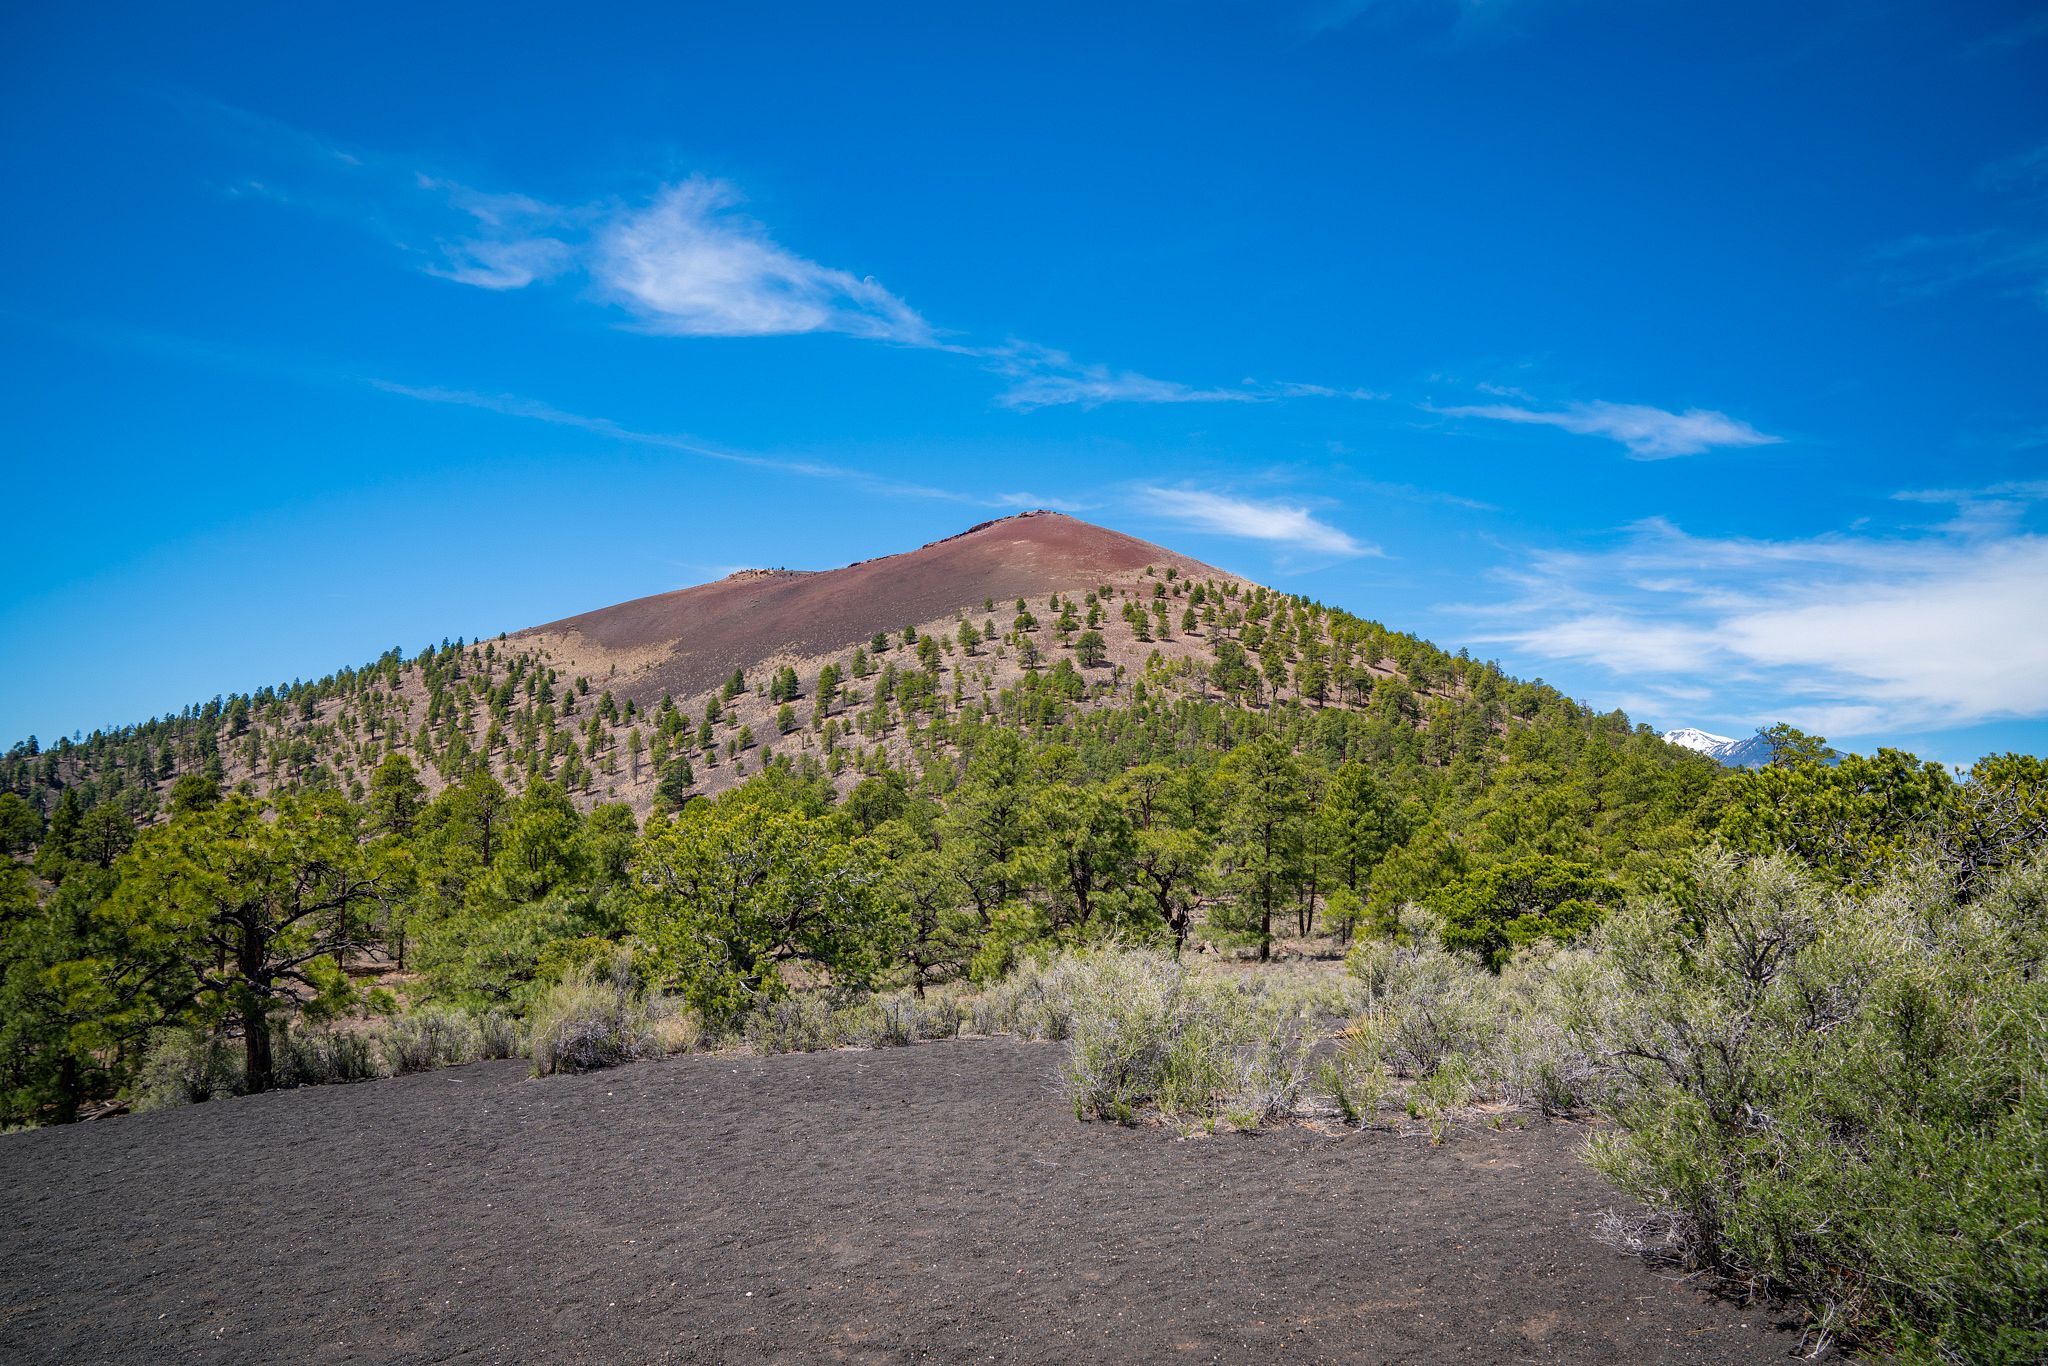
x=1749, y=752
x=1693, y=738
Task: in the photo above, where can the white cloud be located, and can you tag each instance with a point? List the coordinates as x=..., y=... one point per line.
x=1871, y=634
x=690, y=267
x=1041, y=377
x=1980, y=511
x=1284, y=523
x=1959, y=638
x=1648, y=433
x=513, y=246
x=505, y=265
x=685, y=263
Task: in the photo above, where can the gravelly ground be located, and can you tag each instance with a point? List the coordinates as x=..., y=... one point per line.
x=937, y=1202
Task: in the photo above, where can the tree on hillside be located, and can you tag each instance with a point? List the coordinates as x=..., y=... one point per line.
x=1788, y=744
x=1079, y=850
x=1273, y=666
x=396, y=795
x=193, y=792
x=254, y=914
x=984, y=823
x=1851, y=821
x=1363, y=824
x=877, y=800
x=103, y=835
x=937, y=935
x=79, y=991
x=1171, y=866
x=731, y=892
x=672, y=788
x=1493, y=911
x=21, y=825
x=1261, y=838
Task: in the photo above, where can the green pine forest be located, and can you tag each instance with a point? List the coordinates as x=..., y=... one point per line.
x=1294, y=774
x=466, y=839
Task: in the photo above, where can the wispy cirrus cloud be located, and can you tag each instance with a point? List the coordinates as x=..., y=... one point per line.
x=1852, y=634
x=534, y=410
x=505, y=265
x=2012, y=261
x=684, y=262
x=2009, y=255
x=1042, y=377
x=687, y=265
x=1648, y=433
x=1289, y=525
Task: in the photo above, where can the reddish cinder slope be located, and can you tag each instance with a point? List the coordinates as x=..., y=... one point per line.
x=692, y=638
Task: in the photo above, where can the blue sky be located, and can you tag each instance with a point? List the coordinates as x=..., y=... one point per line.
x=1689, y=357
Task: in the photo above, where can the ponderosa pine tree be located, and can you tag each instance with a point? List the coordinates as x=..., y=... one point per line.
x=730, y=891
x=1491, y=912
x=252, y=909
x=396, y=795
x=984, y=822
x=672, y=789
x=1078, y=851
x=1363, y=825
x=1261, y=837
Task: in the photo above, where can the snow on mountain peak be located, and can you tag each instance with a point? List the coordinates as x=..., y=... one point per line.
x=1703, y=741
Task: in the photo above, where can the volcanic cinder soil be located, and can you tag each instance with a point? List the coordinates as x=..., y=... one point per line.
x=932, y=1203
x=692, y=639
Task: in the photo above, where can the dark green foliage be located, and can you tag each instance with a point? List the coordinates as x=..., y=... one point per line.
x=21, y=825
x=243, y=914
x=396, y=795
x=672, y=789
x=1495, y=911
x=1262, y=827
x=733, y=891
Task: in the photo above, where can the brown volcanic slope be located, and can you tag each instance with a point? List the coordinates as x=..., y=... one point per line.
x=688, y=640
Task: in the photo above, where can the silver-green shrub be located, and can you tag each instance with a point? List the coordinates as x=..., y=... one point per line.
x=598, y=1015
x=497, y=1034
x=793, y=1024
x=423, y=1039
x=320, y=1057
x=185, y=1067
x=1842, y=1098
x=1143, y=1031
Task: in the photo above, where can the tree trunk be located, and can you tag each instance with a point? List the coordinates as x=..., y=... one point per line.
x=258, y=1072
x=252, y=951
x=68, y=1089
x=1266, y=923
